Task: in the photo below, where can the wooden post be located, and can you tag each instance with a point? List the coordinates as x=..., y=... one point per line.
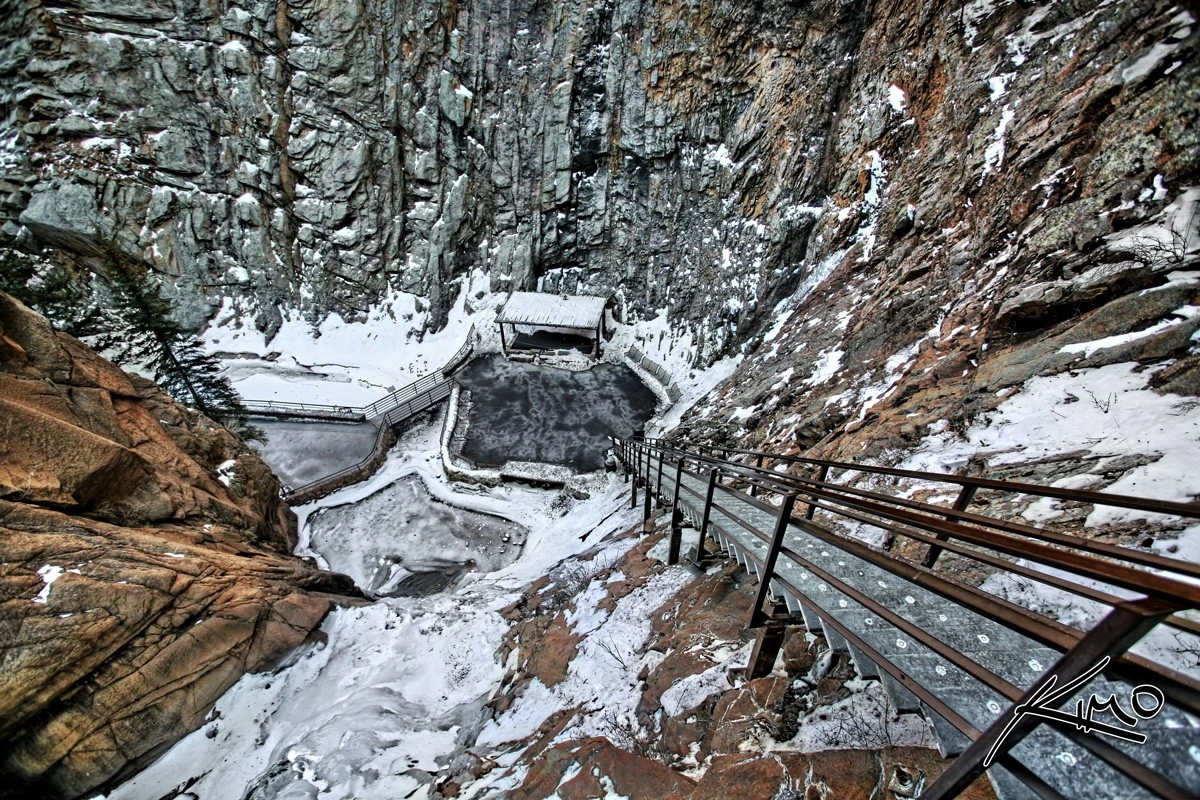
x=503, y=340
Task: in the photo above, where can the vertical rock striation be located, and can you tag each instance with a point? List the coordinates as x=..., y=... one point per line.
x=704, y=157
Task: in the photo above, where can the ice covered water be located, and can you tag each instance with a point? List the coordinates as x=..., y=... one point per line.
x=402, y=541
x=526, y=412
x=301, y=452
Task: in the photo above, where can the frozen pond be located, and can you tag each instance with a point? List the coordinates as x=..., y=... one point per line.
x=302, y=452
x=523, y=412
x=402, y=541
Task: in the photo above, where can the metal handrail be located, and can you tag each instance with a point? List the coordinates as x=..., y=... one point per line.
x=1077, y=495
x=303, y=410
x=425, y=385
x=299, y=406
x=836, y=493
x=1127, y=623
x=1135, y=579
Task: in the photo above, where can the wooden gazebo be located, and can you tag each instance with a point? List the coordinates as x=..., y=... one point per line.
x=537, y=321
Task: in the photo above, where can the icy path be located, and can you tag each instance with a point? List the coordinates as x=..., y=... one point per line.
x=399, y=684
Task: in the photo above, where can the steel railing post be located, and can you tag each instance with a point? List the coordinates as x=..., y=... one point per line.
x=658, y=489
x=1120, y=629
x=960, y=504
x=757, y=617
x=708, y=498
x=647, y=489
x=822, y=474
x=758, y=462
x=676, y=516
x=633, y=483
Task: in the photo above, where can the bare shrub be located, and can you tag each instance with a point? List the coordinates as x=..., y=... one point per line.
x=870, y=723
x=1176, y=249
x=624, y=731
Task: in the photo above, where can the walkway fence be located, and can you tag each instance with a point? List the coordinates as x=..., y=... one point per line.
x=998, y=681
x=639, y=358
x=385, y=413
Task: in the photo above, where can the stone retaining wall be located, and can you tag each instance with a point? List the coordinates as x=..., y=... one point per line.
x=669, y=386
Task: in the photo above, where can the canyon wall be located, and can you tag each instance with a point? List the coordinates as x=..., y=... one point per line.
x=145, y=566
x=703, y=157
x=1027, y=208
x=899, y=211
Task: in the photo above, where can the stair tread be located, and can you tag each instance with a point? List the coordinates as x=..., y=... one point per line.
x=1174, y=752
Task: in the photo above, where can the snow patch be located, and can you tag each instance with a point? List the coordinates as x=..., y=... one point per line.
x=993, y=157
x=49, y=574
x=827, y=364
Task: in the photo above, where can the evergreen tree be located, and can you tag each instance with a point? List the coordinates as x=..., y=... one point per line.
x=148, y=337
x=58, y=293
x=122, y=309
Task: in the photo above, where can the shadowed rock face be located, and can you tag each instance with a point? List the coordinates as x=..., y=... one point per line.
x=136, y=583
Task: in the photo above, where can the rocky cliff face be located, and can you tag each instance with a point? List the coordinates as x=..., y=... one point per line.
x=707, y=158
x=146, y=565
x=1024, y=205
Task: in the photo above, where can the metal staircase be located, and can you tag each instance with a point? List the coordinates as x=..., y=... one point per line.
x=968, y=660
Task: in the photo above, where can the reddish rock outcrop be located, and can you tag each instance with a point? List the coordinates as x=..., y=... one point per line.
x=597, y=768
x=735, y=738
x=144, y=565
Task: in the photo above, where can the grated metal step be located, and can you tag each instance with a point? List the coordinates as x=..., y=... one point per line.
x=742, y=526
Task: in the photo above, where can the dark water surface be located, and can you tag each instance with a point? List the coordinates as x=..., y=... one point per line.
x=523, y=412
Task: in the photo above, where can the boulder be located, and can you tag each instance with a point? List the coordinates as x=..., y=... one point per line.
x=136, y=586
x=588, y=768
